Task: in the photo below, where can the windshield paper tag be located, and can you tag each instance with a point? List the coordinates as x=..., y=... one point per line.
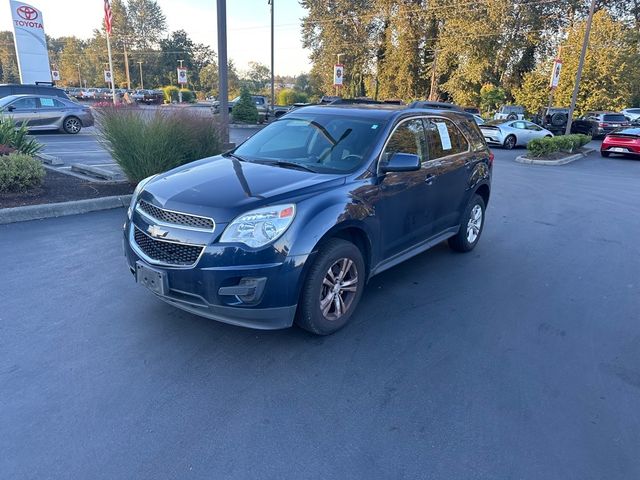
x=444, y=135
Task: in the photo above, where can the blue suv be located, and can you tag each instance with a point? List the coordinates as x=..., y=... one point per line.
x=289, y=226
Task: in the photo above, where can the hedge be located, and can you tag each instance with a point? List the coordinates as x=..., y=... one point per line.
x=20, y=172
x=542, y=147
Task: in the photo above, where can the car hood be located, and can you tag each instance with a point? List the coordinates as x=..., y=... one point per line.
x=223, y=188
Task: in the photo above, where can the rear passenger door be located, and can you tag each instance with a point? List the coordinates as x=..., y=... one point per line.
x=449, y=149
x=51, y=110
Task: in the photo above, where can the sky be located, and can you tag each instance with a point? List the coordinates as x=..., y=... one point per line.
x=248, y=26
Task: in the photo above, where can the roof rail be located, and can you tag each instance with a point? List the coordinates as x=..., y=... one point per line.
x=435, y=105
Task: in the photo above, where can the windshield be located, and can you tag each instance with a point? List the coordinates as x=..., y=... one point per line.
x=322, y=143
x=6, y=100
x=614, y=118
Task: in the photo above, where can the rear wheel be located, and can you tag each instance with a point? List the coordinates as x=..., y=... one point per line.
x=332, y=289
x=510, y=142
x=72, y=125
x=471, y=226
x=604, y=154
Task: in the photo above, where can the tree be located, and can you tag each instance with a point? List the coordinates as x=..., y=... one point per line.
x=8, y=62
x=491, y=97
x=258, y=76
x=245, y=111
x=147, y=22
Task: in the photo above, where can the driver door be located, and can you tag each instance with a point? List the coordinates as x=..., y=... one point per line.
x=24, y=110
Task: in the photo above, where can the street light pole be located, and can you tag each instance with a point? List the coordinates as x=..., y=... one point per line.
x=141, y=81
x=273, y=95
x=223, y=90
x=583, y=54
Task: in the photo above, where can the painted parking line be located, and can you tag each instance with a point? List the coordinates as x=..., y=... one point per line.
x=75, y=151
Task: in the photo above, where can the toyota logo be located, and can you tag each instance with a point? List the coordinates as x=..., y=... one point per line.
x=28, y=13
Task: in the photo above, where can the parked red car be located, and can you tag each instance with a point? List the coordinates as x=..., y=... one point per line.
x=625, y=141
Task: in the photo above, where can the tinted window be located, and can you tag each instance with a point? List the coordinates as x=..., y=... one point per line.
x=614, y=118
x=408, y=137
x=326, y=143
x=26, y=103
x=633, y=110
x=444, y=139
x=473, y=133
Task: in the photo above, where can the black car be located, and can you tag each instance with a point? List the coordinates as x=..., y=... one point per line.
x=290, y=225
x=553, y=119
x=599, y=124
x=7, y=89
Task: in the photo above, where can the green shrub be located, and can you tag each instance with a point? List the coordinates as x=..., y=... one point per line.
x=245, y=111
x=144, y=144
x=20, y=172
x=17, y=137
x=170, y=93
x=543, y=147
x=187, y=95
x=289, y=96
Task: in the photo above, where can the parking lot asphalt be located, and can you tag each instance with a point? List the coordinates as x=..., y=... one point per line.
x=520, y=360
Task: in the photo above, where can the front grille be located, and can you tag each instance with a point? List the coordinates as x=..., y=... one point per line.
x=176, y=218
x=166, y=252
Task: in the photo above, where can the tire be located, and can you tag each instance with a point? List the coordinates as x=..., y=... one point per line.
x=512, y=116
x=604, y=154
x=336, y=259
x=72, y=125
x=510, y=142
x=559, y=119
x=471, y=226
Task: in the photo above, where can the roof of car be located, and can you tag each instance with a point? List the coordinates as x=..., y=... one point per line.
x=380, y=111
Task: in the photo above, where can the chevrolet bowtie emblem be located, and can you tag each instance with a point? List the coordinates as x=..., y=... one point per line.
x=156, y=231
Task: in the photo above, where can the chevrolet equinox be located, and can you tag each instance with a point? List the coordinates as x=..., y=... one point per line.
x=290, y=225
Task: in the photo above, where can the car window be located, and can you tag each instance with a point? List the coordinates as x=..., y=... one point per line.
x=259, y=100
x=633, y=110
x=533, y=127
x=615, y=118
x=26, y=103
x=444, y=138
x=473, y=133
x=519, y=125
x=408, y=137
x=50, y=103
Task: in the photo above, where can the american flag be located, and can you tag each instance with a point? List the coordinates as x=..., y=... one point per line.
x=107, y=16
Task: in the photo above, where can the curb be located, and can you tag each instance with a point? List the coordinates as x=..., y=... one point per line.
x=48, y=210
x=96, y=172
x=561, y=161
x=49, y=159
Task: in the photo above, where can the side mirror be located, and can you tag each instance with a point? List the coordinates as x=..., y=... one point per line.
x=10, y=108
x=401, y=162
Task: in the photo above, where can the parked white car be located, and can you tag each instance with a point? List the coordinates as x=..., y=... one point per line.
x=512, y=133
x=510, y=112
x=631, y=113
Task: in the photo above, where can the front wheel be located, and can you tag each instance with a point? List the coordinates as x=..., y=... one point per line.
x=470, y=227
x=332, y=289
x=510, y=142
x=72, y=125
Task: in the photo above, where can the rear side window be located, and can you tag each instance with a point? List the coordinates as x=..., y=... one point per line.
x=473, y=133
x=50, y=103
x=444, y=138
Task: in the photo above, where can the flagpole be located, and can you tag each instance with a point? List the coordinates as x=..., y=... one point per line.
x=113, y=88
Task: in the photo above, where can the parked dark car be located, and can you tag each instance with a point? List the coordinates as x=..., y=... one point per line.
x=598, y=124
x=472, y=110
x=7, y=89
x=553, y=119
x=624, y=141
x=292, y=223
x=436, y=105
x=153, y=97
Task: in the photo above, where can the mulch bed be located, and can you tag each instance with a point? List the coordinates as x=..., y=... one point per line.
x=59, y=187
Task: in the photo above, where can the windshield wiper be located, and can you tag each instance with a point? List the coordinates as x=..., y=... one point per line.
x=285, y=164
x=235, y=155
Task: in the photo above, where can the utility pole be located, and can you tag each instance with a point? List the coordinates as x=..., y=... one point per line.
x=141, y=81
x=583, y=54
x=432, y=91
x=79, y=76
x=179, y=84
x=273, y=94
x=223, y=90
x=126, y=65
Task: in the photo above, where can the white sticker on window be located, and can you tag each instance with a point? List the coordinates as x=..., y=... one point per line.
x=46, y=102
x=444, y=135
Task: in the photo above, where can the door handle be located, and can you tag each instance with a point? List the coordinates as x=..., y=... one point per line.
x=429, y=179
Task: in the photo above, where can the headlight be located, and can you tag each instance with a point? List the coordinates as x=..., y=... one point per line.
x=260, y=227
x=136, y=192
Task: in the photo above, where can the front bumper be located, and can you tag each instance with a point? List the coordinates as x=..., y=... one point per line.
x=212, y=288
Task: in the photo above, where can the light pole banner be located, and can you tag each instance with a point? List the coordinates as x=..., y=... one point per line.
x=338, y=75
x=107, y=77
x=182, y=75
x=555, y=74
x=31, y=45
x=55, y=75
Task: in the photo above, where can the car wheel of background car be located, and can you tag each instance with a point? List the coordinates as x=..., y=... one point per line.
x=558, y=119
x=72, y=125
x=604, y=154
x=512, y=116
x=332, y=289
x=471, y=226
x=593, y=132
x=510, y=142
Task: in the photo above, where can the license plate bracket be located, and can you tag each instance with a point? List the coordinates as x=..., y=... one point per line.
x=154, y=280
x=618, y=149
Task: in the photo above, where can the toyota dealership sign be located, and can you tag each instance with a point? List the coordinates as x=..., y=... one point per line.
x=31, y=45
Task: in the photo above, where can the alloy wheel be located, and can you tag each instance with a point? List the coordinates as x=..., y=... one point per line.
x=474, y=224
x=339, y=287
x=72, y=125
